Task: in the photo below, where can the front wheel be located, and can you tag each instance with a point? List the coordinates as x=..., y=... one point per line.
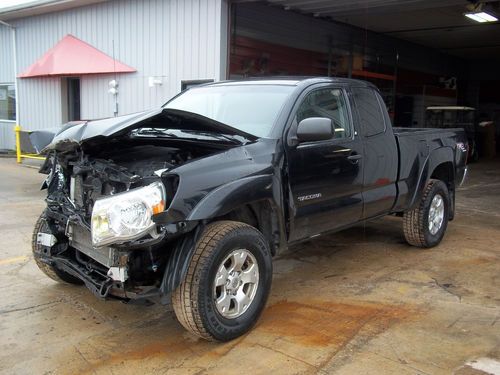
x=227, y=283
x=425, y=225
x=42, y=226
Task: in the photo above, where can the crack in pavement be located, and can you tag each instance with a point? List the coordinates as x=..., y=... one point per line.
x=287, y=355
x=408, y=365
x=2, y=312
x=445, y=288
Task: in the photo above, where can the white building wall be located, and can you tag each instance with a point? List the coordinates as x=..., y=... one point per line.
x=173, y=40
x=6, y=61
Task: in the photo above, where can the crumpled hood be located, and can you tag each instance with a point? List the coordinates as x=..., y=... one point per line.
x=81, y=131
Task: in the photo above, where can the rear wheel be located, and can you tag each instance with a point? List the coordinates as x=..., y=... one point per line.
x=227, y=283
x=41, y=226
x=425, y=225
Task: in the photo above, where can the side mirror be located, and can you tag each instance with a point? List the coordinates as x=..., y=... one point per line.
x=314, y=129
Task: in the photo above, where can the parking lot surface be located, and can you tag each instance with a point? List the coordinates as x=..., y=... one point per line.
x=359, y=301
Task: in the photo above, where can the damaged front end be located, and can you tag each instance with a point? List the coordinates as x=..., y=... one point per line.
x=97, y=213
x=103, y=194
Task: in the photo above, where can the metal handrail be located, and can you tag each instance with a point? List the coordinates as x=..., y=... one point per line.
x=19, y=153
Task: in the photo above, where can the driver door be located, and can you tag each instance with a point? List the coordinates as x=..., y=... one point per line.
x=325, y=177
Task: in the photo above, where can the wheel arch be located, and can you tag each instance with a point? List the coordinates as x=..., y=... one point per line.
x=444, y=172
x=252, y=200
x=262, y=215
x=439, y=165
x=255, y=200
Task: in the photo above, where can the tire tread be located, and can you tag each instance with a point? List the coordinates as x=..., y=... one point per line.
x=47, y=269
x=414, y=220
x=184, y=298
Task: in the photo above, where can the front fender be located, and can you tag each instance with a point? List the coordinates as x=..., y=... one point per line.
x=178, y=264
x=233, y=194
x=217, y=203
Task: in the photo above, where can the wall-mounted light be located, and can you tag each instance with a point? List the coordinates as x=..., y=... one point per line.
x=113, y=90
x=113, y=87
x=481, y=17
x=155, y=81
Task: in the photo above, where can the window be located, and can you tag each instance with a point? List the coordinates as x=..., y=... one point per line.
x=329, y=103
x=7, y=102
x=370, y=113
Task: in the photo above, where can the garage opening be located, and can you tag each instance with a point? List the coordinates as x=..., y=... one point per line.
x=420, y=54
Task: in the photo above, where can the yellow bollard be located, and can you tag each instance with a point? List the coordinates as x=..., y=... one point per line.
x=17, y=129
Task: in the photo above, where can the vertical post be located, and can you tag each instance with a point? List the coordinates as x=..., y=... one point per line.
x=424, y=106
x=329, y=56
x=395, y=88
x=17, y=129
x=350, y=62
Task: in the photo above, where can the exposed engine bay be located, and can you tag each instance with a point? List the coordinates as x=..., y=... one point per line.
x=132, y=172
x=80, y=179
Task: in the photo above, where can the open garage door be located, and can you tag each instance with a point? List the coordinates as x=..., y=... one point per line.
x=419, y=53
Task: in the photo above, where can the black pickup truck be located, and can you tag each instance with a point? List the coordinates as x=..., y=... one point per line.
x=192, y=201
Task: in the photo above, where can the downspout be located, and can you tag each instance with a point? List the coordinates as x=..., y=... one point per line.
x=14, y=51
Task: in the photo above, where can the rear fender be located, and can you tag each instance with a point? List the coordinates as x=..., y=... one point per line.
x=435, y=158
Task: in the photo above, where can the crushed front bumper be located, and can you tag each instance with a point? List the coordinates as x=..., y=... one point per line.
x=105, y=277
x=97, y=282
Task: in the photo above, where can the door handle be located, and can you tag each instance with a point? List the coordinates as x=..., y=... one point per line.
x=343, y=150
x=354, y=158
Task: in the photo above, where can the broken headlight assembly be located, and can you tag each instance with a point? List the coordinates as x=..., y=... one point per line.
x=127, y=216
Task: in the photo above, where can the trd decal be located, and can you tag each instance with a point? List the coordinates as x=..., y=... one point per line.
x=309, y=197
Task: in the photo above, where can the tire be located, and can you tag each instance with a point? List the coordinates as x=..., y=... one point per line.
x=416, y=222
x=194, y=301
x=58, y=275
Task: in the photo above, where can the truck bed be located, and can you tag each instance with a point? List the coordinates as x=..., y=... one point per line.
x=415, y=145
x=421, y=131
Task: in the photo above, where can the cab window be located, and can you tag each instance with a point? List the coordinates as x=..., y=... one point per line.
x=329, y=103
x=370, y=112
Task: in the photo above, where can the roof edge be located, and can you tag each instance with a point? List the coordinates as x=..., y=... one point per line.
x=37, y=7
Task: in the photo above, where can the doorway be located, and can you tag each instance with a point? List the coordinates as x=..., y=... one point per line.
x=70, y=96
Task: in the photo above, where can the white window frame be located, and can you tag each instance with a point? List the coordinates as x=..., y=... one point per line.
x=9, y=84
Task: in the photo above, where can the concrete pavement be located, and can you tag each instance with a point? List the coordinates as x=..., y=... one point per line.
x=360, y=301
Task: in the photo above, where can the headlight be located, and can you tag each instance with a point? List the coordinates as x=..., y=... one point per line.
x=126, y=216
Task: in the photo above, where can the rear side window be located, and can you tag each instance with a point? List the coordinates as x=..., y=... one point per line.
x=329, y=103
x=370, y=113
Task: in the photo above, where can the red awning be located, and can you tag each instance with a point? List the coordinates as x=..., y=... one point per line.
x=72, y=56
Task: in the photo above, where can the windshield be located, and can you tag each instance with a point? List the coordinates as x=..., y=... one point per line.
x=250, y=108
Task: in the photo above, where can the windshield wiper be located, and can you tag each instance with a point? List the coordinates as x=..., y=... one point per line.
x=191, y=133
x=155, y=131
x=226, y=137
